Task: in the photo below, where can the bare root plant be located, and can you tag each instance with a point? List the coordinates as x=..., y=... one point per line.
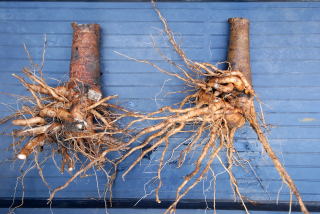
x=222, y=103
x=72, y=119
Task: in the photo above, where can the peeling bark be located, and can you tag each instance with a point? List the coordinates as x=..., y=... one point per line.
x=85, y=57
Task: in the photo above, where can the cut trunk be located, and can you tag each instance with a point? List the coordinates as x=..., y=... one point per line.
x=239, y=59
x=239, y=46
x=85, y=57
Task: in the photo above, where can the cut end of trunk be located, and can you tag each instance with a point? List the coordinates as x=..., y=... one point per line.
x=70, y=169
x=22, y=156
x=85, y=27
x=238, y=20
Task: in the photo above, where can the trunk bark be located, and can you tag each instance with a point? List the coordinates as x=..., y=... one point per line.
x=85, y=57
x=239, y=47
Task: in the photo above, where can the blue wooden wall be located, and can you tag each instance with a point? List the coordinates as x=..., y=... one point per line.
x=285, y=56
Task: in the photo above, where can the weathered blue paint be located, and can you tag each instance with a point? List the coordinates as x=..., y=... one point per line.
x=285, y=55
x=129, y=211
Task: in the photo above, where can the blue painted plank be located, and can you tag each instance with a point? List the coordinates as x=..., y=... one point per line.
x=125, y=28
x=188, y=14
x=114, y=15
x=118, y=41
x=130, y=211
x=215, y=6
x=84, y=187
x=266, y=55
x=265, y=28
x=269, y=28
x=258, y=68
x=264, y=169
x=145, y=41
x=138, y=5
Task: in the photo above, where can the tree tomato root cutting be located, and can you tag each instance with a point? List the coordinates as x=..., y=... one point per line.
x=72, y=119
x=223, y=102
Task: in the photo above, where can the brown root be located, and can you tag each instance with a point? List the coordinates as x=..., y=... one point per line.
x=29, y=122
x=30, y=146
x=32, y=131
x=278, y=165
x=60, y=113
x=69, y=122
